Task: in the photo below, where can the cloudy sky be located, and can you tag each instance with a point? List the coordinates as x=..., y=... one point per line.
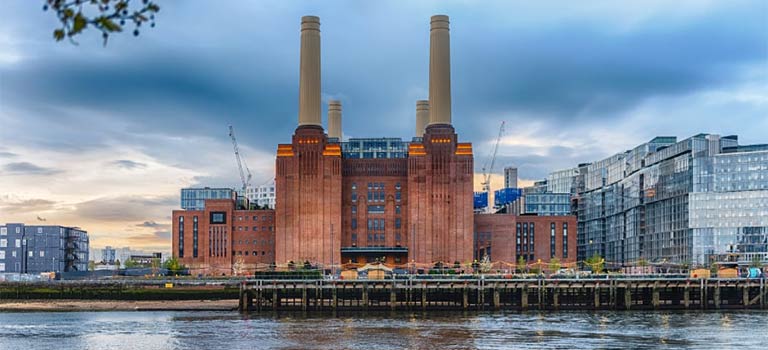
x=104, y=137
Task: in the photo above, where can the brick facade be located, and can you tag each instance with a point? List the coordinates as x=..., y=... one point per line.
x=497, y=235
x=222, y=240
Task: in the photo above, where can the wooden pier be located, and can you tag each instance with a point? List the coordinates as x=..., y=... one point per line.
x=511, y=294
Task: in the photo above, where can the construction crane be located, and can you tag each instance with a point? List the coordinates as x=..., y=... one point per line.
x=245, y=175
x=488, y=169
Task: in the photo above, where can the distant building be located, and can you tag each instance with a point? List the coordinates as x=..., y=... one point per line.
x=263, y=196
x=108, y=255
x=34, y=249
x=145, y=259
x=194, y=198
x=510, y=177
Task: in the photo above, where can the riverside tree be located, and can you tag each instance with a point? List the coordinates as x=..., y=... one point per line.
x=106, y=16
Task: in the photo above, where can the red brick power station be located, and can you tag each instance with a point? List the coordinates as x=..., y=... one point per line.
x=367, y=199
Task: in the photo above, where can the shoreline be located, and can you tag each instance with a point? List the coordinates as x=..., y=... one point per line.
x=116, y=305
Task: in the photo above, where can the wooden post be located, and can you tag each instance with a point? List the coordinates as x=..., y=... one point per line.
x=335, y=299
x=745, y=295
x=465, y=301
x=524, y=297
x=304, y=298
x=424, y=296
x=496, y=298
x=365, y=295
x=555, y=297
x=275, y=298
x=655, y=293
x=597, y=296
x=703, y=294
x=717, y=295
x=628, y=296
x=392, y=298
x=687, y=295
x=540, y=293
x=762, y=293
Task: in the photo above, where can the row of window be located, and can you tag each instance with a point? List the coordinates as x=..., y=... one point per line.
x=255, y=218
x=256, y=228
x=377, y=237
x=254, y=253
x=256, y=241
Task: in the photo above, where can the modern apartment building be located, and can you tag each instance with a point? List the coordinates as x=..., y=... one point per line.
x=42, y=248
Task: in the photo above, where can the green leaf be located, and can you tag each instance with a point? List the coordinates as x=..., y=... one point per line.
x=69, y=13
x=58, y=34
x=107, y=24
x=153, y=8
x=79, y=24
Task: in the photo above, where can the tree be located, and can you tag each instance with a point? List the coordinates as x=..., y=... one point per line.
x=521, y=266
x=107, y=16
x=117, y=263
x=130, y=263
x=91, y=265
x=173, y=265
x=554, y=265
x=756, y=262
x=596, y=263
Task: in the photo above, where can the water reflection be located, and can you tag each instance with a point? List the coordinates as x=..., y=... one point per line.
x=381, y=331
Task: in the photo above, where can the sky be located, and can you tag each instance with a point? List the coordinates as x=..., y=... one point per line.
x=104, y=137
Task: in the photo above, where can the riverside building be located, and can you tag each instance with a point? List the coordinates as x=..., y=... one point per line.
x=694, y=201
x=35, y=249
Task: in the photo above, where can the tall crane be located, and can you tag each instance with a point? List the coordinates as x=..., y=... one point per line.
x=245, y=175
x=488, y=169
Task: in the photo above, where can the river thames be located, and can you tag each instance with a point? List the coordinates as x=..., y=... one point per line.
x=499, y=330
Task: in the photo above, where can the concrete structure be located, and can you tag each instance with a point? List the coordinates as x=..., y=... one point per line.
x=510, y=177
x=220, y=239
x=35, y=249
x=422, y=117
x=368, y=198
x=535, y=239
x=334, y=119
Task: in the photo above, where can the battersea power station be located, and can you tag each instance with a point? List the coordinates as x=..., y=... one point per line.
x=340, y=202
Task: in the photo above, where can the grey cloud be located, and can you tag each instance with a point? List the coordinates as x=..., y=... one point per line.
x=126, y=208
x=164, y=235
x=10, y=205
x=148, y=224
x=128, y=164
x=26, y=168
x=4, y=154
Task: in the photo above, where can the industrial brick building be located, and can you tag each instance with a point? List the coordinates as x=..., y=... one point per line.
x=374, y=198
x=506, y=239
x=220, y=239
x=337, y=201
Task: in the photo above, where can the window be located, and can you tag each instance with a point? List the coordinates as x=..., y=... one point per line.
x=255, y=228
x=518, y=233
x=354, y=209
x=2, y=267
x=398, y=223
x=218, y=217
x=565, y=240
x=354, y=224
x=30, y=254
x=255, y=218
x=3, y=231
x=3, y=243
x=375, y=209
x=239, y=218
x=2, y=254
x=42, y=253
x=181, y=236
x=354, y=196
x=397, y=209
x=552, y=240
x=354, y=237
x=39, y=230
x=194, y=236
x=18, y=243
x=397, y=195
x=354, y=186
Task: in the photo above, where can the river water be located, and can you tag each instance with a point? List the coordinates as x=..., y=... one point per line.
x=498, y=330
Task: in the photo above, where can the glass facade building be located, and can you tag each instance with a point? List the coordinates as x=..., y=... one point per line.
x=194, y=198
x=374, y=148
x=692, y=201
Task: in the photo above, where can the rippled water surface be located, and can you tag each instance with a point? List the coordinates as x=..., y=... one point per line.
x=229, y=330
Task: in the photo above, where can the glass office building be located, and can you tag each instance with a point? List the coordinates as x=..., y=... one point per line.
x=693, y=201
x=194, y=198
